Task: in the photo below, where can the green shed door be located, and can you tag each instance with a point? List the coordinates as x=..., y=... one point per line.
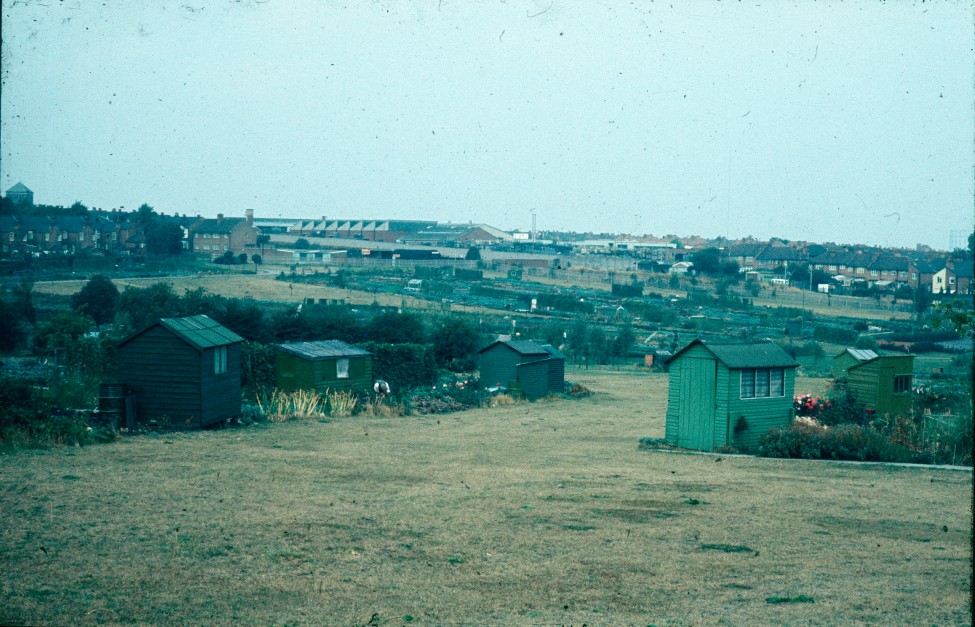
x=696, y=417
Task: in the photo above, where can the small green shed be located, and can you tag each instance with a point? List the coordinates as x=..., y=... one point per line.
x=728, y=394
x=884, y=383
x=324, y=365
x=537, y=369
x=851, y=357
x=184, y=372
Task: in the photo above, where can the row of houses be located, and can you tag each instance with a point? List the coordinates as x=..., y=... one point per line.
x=877, y=268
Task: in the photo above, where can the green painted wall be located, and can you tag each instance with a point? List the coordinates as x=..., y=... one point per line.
x=296, y=373
x=760, y=414
x=698, y=381
x=873, y=382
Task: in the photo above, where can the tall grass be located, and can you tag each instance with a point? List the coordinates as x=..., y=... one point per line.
x=341, y=403
x=281, y=406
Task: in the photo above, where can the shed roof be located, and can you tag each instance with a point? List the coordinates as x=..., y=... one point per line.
x=753, y=355
x=198, y=331
x=19, y=188
x=881, y=359
x=323, y=349
x=201, y=331
x=861, y=354
x=522, y=347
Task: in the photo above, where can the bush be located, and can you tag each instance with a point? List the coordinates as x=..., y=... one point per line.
x=835, y=335
x=403, y=366
x=844, y=442
x=258, y=364
x=29, y=419
x=843, y=407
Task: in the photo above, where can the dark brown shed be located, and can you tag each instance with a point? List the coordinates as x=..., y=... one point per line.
x=184, y=372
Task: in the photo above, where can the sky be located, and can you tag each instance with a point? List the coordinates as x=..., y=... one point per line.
x=847, y=122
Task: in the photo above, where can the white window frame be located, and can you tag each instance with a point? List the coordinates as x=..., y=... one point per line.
x=342, y=368
x=762, y=383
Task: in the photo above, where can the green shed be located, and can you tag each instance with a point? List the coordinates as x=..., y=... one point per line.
x=184, y=372
x=851, y=357
x=537, y=369
x=884, y=383
x=728, y=394
x=324, y=365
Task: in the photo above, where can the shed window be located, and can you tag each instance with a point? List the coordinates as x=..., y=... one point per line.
x=342, y=369
x=220, y=360
x=902, y=383
x=762, y=382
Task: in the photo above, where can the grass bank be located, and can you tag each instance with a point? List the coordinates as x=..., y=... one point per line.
x=531, y=513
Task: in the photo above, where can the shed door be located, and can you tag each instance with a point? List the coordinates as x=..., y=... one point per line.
x=696, y=417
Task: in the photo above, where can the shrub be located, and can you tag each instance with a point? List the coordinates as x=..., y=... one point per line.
x=809, y=405
x=843, y=407
x=403, y=365
x=846, y=442
x=29, y=419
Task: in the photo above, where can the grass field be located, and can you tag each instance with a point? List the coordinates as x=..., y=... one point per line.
x=542, y=513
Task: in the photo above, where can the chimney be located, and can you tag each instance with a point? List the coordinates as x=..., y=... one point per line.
x=219, y=218
x=249, y=214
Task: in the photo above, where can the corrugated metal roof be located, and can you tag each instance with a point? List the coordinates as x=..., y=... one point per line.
x=755, y=355
x=862, y=354
x=323, y=349
x=201, y=331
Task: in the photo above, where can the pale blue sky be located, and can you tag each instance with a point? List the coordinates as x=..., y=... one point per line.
x=846, y=122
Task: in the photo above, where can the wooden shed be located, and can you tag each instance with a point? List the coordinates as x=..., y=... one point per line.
x=884, y=383
x=728, y=394
x=324, y=365
x=536, y=369
x=184, y=372
x=850, y=357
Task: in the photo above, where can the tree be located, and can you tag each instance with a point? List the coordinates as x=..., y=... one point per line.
x=473, y=254
x=242, y=259
x=922, y=299
x=164, y=238
x=257, y=259
x=623, y=341
x=145, y=216
x=578, y=340
x=396, y=328
x=455, y=343
x=64, y=326
x=140, y=307
x=263, y=240
x=707, y=261
x=97, y=298
x=24, y=300
x=302, y=244
x=13, y=327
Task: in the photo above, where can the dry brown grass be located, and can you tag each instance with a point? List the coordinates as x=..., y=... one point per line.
x=525, y=514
